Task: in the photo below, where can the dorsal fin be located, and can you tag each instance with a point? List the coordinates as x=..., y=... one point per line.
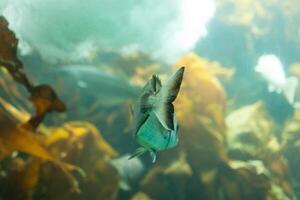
x=169, y=91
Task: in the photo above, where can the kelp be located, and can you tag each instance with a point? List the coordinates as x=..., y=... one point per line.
x=249, y=129
x=252, y=142
x=79, y=143
x=200, y=107
x=291, y=147
x=140, y=196
x=242, y=180
x=201, y=75
x=250, y=180
x=8, y=54
x=256, y=15
x=15, y=134
x=43, y=97
x=294, y=69
x=222, y=154
x=17, y=138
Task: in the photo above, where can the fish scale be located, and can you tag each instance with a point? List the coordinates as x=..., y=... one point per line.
x=153, y=135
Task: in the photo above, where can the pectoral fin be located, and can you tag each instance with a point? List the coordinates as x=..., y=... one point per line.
x=139, y=151
x=153, y=155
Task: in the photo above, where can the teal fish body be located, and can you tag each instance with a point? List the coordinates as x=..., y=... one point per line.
x=154, y=136
x=156, y=127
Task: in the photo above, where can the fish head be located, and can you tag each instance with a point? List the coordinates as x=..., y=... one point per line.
x=146, y=101
x=153, y=86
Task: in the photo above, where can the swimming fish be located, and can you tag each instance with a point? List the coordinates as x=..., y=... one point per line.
x=129, y=170
x=271, y=69
x=91, y=84
x=155, y=124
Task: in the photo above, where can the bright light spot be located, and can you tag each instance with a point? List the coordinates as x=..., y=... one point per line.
x=190, y=27
x=195, y=16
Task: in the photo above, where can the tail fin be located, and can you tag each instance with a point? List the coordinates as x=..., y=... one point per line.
x=139, y=151
x=290, y=89
x=168, y=94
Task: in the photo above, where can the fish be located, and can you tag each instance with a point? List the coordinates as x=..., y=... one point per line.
x=91, y=83
x=271, y=69
x=129, y=170
x=155, y=124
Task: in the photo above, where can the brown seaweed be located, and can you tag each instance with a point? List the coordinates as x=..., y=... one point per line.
x=43, y=97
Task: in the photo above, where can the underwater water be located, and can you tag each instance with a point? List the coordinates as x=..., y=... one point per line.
x=149, y=100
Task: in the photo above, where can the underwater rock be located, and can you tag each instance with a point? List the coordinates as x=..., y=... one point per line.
x=251, y=137
x=249, y=129
x=244, y=180
x=250, y=180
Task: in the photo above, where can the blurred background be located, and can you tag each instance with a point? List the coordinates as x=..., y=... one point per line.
x=238, y=107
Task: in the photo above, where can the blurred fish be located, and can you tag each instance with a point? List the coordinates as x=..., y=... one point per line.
x=155, y=123
x=271, y=69
x=90, y=83
x=129, y=170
